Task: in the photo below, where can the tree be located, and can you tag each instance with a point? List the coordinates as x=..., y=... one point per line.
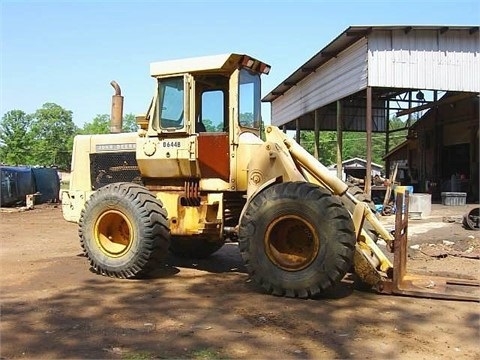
x=211, y=127
x=354, y=143
x=129, y=123
x=16, y=138
x=397, y=137
x=327, y=149
x=101, y=124
x=53, y=130
x=247, y=119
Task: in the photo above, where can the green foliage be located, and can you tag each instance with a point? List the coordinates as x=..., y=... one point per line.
x=246, y=119
x=16, y=138
x=101, y=125
x=327, y=145
x=45, y=137
x=129, y=123
x=53, y=130
x=210, y=127
x=354, y=143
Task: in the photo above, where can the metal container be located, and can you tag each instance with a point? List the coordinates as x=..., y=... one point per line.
x=420, y=206
x=454, y=198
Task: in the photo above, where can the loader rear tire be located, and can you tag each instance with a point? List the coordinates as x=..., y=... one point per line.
x=193, y=248
x=296, y=239
x=124, y=231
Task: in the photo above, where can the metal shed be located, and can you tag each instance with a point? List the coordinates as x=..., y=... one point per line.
x=368, y=73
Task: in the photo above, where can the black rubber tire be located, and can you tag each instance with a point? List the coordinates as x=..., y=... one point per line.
x=471, y=219
x=360, y=196
x=124, y=231
x=350, y=205
x=193, y=248
x=308, y=212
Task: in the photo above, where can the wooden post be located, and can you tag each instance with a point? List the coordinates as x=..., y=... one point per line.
x=316, y=133
x=387, y=141
x=339, y=139
x=368, y=127
x=297, y=130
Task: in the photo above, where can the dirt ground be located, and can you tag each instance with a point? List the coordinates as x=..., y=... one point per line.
x=53, y=307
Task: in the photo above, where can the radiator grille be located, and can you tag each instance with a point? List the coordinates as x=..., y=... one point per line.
x=107, y=168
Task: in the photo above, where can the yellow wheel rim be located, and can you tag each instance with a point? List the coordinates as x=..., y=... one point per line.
x=113, y=233
x=291, y=243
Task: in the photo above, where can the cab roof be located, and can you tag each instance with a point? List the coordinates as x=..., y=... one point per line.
x=225, y=62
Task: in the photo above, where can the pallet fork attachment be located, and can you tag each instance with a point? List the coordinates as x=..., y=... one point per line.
x=416, y=285
x=371, y=265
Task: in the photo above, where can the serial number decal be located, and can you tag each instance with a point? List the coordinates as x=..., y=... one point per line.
x=115, y=147
x=171, y=144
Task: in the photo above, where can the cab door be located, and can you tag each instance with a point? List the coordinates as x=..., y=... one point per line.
x=212, y=127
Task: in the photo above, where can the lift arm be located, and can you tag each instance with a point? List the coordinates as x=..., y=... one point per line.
x=370, y=263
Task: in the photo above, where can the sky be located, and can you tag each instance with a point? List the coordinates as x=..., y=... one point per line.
x=67, y=52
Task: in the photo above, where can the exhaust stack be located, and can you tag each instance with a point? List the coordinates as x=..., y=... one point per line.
x=116, y=117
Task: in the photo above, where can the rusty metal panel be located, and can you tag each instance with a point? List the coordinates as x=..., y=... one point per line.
x=425, y=59
x=214, y=155
x=341, y=76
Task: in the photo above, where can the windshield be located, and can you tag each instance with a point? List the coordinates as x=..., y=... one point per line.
x=249, y=99
x=171, y=102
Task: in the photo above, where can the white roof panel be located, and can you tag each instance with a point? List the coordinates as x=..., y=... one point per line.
x=195, y=64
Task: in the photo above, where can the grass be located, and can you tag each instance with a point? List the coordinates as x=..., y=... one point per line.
x=139, y=355
x=206, y=354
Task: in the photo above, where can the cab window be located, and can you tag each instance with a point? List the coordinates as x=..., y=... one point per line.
x=249, y=99
x=213, y=111
x=171, y=96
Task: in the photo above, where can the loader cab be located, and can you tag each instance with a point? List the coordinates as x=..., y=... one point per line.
x=200, y=109
x=213, y=98
x=198, y=103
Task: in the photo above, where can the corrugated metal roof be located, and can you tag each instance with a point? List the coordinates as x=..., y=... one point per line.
x=340, y=77
x=350, y=36
x=424, y=59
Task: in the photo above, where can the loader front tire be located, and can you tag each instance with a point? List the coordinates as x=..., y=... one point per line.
x=124, y=231
x=296, y=239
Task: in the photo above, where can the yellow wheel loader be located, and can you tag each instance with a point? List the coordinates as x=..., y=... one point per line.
x=199, y=172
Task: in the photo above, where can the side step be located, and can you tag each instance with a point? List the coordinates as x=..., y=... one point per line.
x=427, y=286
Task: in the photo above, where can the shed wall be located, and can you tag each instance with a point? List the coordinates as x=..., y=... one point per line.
x=341, y=76
x=424, y=59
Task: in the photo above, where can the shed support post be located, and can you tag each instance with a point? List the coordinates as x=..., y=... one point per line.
x=387, y=140
x=368, y=127
x=297, y=130
x=339, y=139
x=316, y=133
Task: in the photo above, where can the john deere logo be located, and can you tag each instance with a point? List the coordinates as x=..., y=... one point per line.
x=115, y=147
